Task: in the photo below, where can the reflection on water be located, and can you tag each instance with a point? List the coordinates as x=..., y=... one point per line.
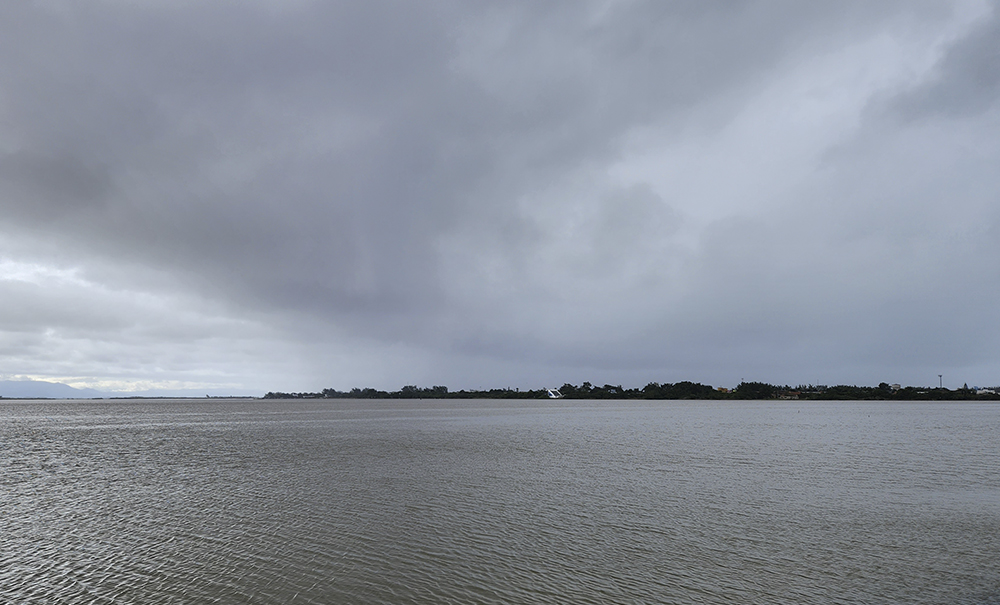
x=494, y=502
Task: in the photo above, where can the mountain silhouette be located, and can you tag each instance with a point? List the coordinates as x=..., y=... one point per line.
x=29, y=389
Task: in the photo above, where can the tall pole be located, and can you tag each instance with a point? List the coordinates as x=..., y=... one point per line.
x=940, y=381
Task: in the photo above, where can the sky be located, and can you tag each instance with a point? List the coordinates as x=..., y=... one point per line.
x=235, y=197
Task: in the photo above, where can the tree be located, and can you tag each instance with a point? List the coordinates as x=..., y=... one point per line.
x=754, y=390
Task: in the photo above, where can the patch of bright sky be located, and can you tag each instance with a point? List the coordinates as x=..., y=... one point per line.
x=35, y=273
x=125, y=387
x=111, y=324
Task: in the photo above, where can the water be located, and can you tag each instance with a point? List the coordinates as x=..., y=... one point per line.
x=224, y=501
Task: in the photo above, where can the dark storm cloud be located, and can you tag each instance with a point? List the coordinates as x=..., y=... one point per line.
x=967, y=80
x=440, y=176
x=170, y=95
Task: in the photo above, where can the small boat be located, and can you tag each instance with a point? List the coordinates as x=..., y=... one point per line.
x=554, y=394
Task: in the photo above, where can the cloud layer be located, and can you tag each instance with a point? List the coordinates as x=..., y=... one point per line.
x=299, y=195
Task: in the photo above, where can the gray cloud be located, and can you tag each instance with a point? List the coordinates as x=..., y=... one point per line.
x=967, y=79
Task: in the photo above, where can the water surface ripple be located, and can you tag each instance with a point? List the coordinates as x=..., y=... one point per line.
x=230, y=501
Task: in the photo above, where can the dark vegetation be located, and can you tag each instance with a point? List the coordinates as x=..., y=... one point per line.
x=656, y=390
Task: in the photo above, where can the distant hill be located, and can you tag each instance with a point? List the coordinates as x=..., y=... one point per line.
x=30, y=389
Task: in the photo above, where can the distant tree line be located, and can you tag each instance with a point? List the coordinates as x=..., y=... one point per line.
x=656, y=390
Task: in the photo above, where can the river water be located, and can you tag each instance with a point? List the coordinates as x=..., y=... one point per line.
x=342, y=501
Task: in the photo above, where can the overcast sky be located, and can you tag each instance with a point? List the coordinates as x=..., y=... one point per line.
x=243, y=196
